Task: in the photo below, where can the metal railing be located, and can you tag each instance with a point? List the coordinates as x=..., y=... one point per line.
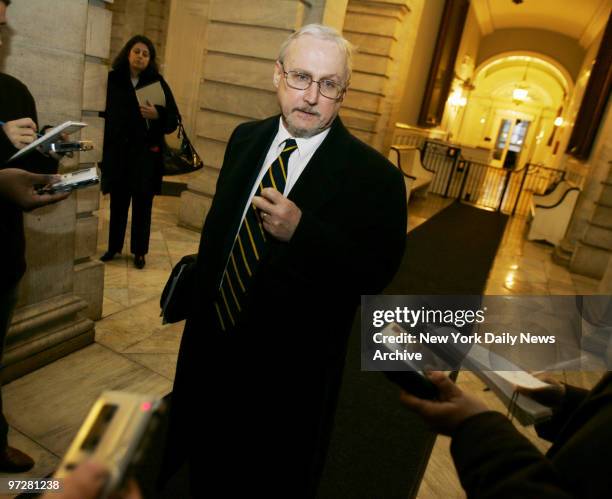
x=505, y=190
x=407, y=135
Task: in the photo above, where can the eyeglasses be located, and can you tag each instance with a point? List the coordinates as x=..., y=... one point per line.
x=302, y=81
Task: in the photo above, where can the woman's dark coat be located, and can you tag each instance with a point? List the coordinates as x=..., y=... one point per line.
x=133, y=147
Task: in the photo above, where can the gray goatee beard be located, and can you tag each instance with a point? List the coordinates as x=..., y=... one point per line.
x=302, y=133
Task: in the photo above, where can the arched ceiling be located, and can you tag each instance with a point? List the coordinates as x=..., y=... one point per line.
x=545, y=84
x=579, y=19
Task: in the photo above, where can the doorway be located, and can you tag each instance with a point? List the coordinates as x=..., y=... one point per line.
x=510, y=140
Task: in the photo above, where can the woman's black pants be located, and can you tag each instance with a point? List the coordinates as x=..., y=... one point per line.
x=141, y=221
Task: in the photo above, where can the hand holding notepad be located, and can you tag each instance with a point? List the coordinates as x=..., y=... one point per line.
x=52, y=135
x=152, y=94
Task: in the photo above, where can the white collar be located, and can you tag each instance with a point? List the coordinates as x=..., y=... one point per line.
x=305, y=146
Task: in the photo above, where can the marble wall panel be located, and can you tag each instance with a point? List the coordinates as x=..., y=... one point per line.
x=94, y=132
x=243, y=101
x=253, y=41
x=330, y=13
x=86, y=237
x=238, y=71
x=94, y=86
x=87, y=278
x=286, y=14
x=54, y=77
x=362, y=100
x=376, y=64
x=359, y=119
x=155, y=8
x=368, y=83
x=50, y=235
x=88, y=199
x=365, y=23
x=211, y=151
x=375, y=8
x=217, y=126
x=370, y=44
x=99, y=23
x=59, y=25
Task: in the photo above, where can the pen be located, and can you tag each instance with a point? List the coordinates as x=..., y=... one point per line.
x=2, y=123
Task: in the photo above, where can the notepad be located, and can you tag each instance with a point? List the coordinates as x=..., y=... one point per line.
x=153, y=93
x=52, y=135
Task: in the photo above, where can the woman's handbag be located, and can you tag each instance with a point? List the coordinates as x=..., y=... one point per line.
x=185, y=159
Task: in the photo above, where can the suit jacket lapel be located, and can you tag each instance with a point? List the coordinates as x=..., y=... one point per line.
x=321, y=177
x=251, y=152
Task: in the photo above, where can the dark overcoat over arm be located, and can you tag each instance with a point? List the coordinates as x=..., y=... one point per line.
x=494, y=460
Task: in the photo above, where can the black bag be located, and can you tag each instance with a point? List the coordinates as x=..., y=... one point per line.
x=185, y=159
x=176, y=296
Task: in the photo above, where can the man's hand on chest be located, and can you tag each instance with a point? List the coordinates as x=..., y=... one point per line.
x=280, y=216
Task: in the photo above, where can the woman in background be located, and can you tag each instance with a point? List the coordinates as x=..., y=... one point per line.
x=132, y=164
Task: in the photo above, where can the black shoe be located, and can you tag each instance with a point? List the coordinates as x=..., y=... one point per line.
x=108, y=256
x=139, y=261
x=14, y=461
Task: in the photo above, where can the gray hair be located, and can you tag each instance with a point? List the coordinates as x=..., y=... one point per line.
x=322, y=32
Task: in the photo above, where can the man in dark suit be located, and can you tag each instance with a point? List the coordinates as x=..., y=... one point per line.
x=305, y=219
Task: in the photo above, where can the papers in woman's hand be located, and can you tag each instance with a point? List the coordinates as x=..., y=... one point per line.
x=153, y=94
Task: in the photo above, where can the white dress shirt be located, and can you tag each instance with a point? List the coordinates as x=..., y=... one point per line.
x=297, y=161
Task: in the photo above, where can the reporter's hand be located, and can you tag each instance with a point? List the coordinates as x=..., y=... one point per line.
x=280, y=216
x=20, y=132
x=149, y=111
x=18, y=186
x=130, y=491
x=85, y=482
x=551, y=396
x=453, y=407
x=46, y=149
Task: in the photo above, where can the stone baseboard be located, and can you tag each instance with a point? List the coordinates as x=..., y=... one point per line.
x=44, y=332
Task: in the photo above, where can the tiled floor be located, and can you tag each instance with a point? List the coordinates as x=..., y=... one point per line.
x=133, y=351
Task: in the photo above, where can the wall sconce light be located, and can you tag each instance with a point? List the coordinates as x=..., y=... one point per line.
x=558, y=121
x=457, y=99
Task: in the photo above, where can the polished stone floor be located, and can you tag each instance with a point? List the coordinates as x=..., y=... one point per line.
x=134, y=352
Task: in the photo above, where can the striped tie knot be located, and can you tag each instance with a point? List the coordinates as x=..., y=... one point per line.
x=249, y=246
x=276, y=175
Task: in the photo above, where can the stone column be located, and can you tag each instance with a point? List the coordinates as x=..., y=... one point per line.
x=88, y=270
x=47, y=49
x=243, y=38
x=384, y=33
x=588, y=242
x=187, y=27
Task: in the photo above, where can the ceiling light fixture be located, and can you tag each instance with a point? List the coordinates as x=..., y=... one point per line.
x=520, y=93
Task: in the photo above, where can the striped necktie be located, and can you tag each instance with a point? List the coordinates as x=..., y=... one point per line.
x=249, y=246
